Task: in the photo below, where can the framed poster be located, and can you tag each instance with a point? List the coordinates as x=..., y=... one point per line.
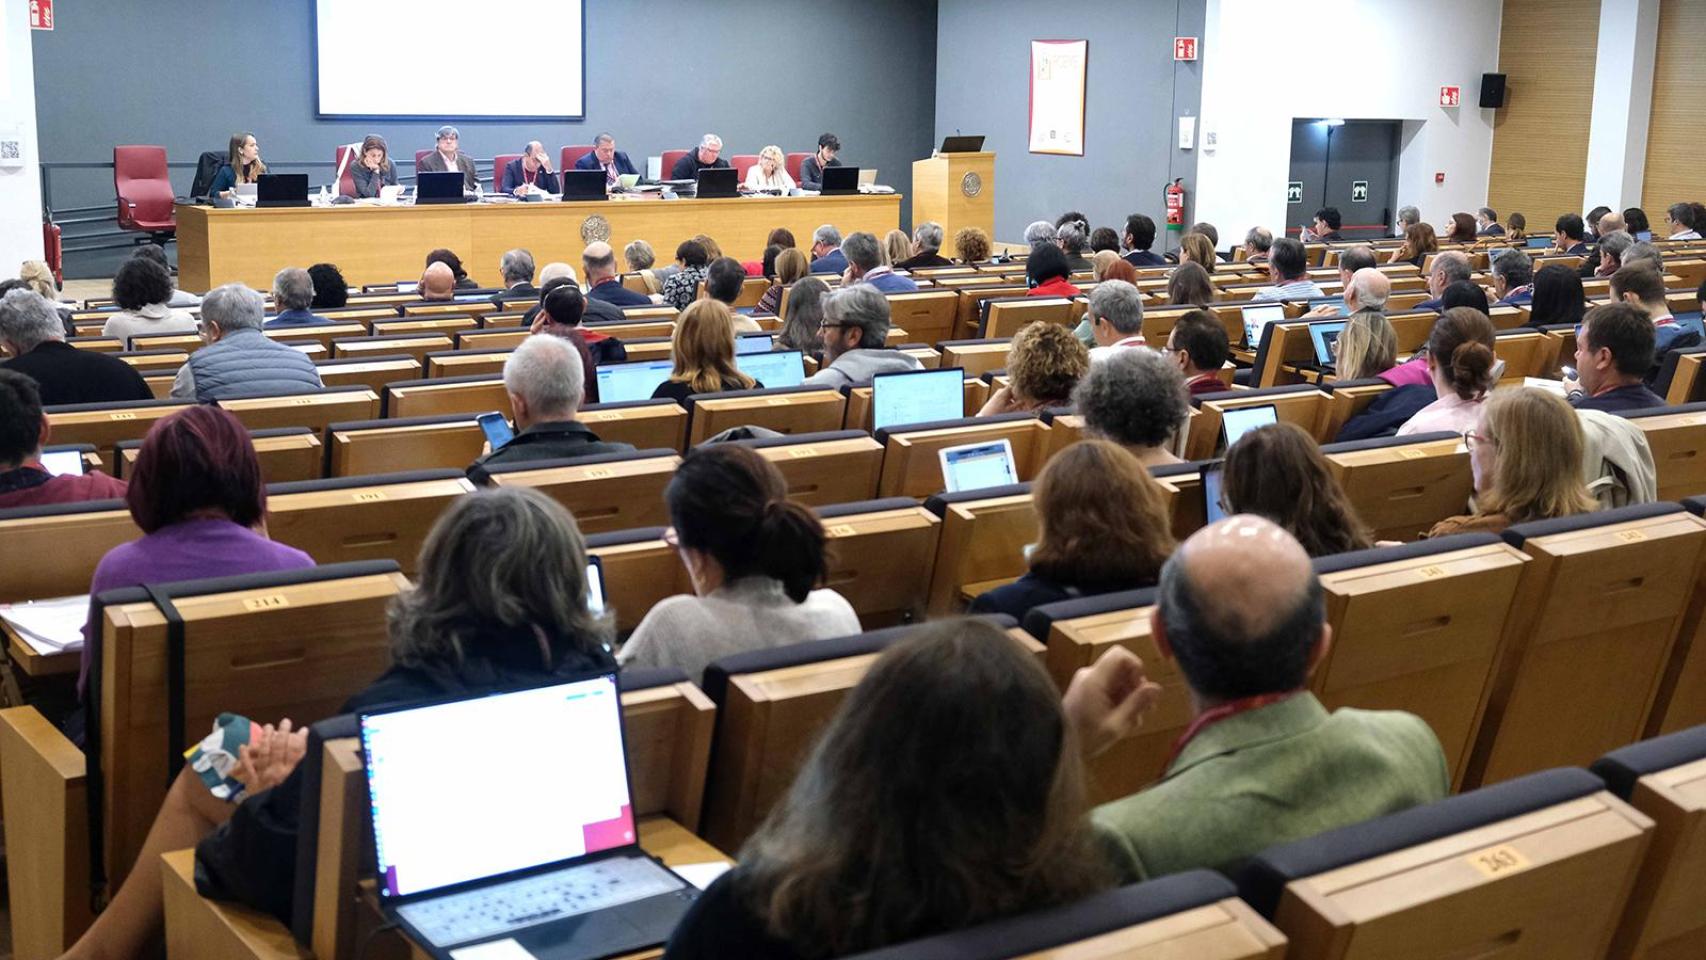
x=1057, y=96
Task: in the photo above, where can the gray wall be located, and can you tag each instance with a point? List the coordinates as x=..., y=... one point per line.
x=1134, y=95
x=659, y=74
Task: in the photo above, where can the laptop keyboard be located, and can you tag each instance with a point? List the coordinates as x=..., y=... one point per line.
x=489, y=911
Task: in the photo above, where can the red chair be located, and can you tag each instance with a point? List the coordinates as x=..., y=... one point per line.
x=572, y=155
x=669, y=158
x=793, y=163
x=498, y=163
x=144, y=192
x=346, y=180
x=742, y=162
x=419, y=156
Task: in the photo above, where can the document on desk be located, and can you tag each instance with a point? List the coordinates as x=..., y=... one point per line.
x=49, y=626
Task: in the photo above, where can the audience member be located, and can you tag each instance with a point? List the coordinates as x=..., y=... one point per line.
x=1278, y=473
x=38, y=276
x=1596, y=216
x=331, y=290
x=683, y=288
x=1139, y=237
x=1449, y=267
x=1324, y=228
x=239, y=359
x=1100, y=261
x=1567, y=235
x=1263, y=762
x=699, y=158
x=1419, y=241
x=1635, y=220
x=1040, y=233
x=1465, y=294
x=292, y=295
x=1102, y=526
x=1073, y=237
x=448, y=257
x=562, y=312
x=811, y=168
x=1137, y=399
x=1352, y=259
x=753, y=557
x=372, y=169
x=31, y=334
x=1198, y=344
x=864, y=265
x=1513, y=279
x=24, y=481
x=1526, y=455
x=896, y=247
x=703, y=346
x=1288, y=267
x=437, y=284
x=826, y=251
x=1408, y=216
x=1608, y=256
x=1113, y=317
x=1119, y=269
x=516, y=268
x=1196, y=248
x=926, y=248
x=1189, y=285
x=1558, y=296
x=1257, y=243
x=1461, y=360
x=1044, y=363
x=1365, y=288
x=1609, y=222
x=1639, y=285
x=971, y=245
x=638, y=255
x=1516, y=226
x=544, y=378
x=1206, y=229
x=598, y=262
x=1487, y=223
x=781, y=237
x=725, y=278
x=141, y=289
x=800, y=326
x=1048, y=273
x=180, y=299
x=1367, y=347
x=1679, y=222
x=855, y=324
x=791, y=267
x=1104, y=239
x=1461, y=230
x=1643, y=253
x=447, y=156
x=1614, y=352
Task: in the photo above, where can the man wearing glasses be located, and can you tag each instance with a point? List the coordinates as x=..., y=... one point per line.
x=855, y=323
x=1680, y=216
x=449, y=156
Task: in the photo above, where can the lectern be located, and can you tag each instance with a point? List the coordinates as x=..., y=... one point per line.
x=955, y=190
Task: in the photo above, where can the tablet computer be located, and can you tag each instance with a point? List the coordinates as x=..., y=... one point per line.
x=1238, y=421
x=974, y=466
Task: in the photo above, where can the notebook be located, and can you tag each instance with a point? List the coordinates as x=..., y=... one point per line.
x=917, y=396
x=631, y=381
x=781, y=368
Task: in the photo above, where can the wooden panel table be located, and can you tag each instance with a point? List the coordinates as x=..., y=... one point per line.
x=381, y=244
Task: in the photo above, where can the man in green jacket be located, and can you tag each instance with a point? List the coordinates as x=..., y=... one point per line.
x=1262, y=762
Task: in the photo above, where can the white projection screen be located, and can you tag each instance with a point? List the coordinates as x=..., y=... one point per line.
x=428, y=61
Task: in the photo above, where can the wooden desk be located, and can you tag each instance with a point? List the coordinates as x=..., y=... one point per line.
x=37, y=664
x=372, y=244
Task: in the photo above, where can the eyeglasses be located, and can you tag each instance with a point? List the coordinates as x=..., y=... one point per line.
x=1474, y=438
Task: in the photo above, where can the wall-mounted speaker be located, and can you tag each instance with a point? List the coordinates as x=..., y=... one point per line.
x=1492, y=89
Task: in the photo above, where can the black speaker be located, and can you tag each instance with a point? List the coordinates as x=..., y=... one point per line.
x=1492, y=89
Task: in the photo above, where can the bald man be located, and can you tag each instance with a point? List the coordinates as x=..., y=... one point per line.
x=1367, y=289
x=602, y=283
x=530, y=171
x=1263, y=762
x=438, y=282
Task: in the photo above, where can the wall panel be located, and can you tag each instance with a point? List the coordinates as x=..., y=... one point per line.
x=1547, y=50
x=1676, y=139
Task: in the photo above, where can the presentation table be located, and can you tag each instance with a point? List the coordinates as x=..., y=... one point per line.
x=383, y=244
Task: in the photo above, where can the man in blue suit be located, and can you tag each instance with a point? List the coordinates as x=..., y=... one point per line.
x=531, y=169
x=826, y=251
x=606, y=157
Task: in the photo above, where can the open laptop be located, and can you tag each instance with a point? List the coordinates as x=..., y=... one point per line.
x=1539, y=243
x=959, y=144
x=439, y=187
x=917, y=396
x=840, y=180
x=754, y=343
x=63, y=463
x=618, y=382
x=975, y=466
x=716, y=182
x=1257, y=316
x=281, y=190
x=782, y=368
x=508, y=821
x=1324, y=335
x=1238, y=421
x=1337, y=303
x=867, y=176
x=584, y=185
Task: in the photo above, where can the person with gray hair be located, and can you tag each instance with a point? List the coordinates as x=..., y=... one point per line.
x=1257, y=243
x=1643, y=252
x=1039, y=233
x=1073, y=237
x=827, y=256
x=449, y=156
x=1408, y=217
x=1487, y=223
x=33, y=336
x=1449, y=267
x=1137, y=399
x=1680, y=217
x=1352, y=259
x=516, y=269
x=865, y=265
x=1513, y=279
x=545, y=379
x=239, y=359
x=699, y=158
x=292, y=295
x=1114, y=311
x=926, y=248
x=855, y=325
x=1613, y=247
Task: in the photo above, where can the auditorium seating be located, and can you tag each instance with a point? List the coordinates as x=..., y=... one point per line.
x=639, y=571
x=804, y=409
x=373, y=517
x=618, y=491
x=911, y=467
x=1665, y=779
x=1677, y=436
x=836, y=466
x=982, y=544
x=144, y=190
x=1402, y=486
x=370, y=372
x=1302, y=405
x=361, y=448
x=285, y=454
x=316, y=409
x=105, y=424
x=51, y=551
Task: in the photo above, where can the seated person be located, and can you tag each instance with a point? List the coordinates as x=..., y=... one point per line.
x=141, y=289
x=1450, y=267
x=606, y=157
x=926, y=248
x=24, y=482
x=1102, y=526
x=1264, y=762
x=1113, y=318
x=242, y=165
x=437, y=284
x=1324, y=228
x=865, y=265
x=971, y=245
x=811, y=168
x=855, y=324
x=448, y=257
x=1527, y=456
x=705, y=155
x=1487, y=222
x=373, y=170
x=826, y=251
x=240, y=359
x=1461, y=360
x=1513, y=279
x=1642, y=286
x=153, y=251
x=704, y=349
x=1196, y=248
x=331, y=291
x=452, y=635
x=528, y=172
x=292, y=295
x=1366, y=291
x=516, y=267
x=770, y=172
x=754, y=558
x=1139, y=237
x=1257, y=242
x=1189, y=285
x=598, y=262
x=1288, y=267
x=1614, y=351
x=1367, y=347
x=1419, y=241
x=1558, y=296
x=1569, y=233
x=1277, y=472
x=1044, y=364
x=32, y=335
x=897, y=246
x=725, y=278
x=1199, y=346
x=448, y=156
x=562, y=312
x=1073, y=238
x=544, y=379
x=791, y=266
x=557, y=274
x=682, y=288
x=802, y=328
x=1461, y=229
x=1137, y=399
x=1104, y=239
x=1047, y=273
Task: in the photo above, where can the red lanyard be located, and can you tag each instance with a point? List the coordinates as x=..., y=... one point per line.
x=1209, y=718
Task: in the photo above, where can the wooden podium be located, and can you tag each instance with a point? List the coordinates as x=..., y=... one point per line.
x=956, y=190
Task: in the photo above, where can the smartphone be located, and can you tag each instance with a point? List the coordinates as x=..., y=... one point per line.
x=595, y=585
x=496, y=428
x=1569, y=372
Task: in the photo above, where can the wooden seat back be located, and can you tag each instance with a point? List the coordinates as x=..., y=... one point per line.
x=1665, y=779
x=1007, y=317
x=315, y=410
x=880, y=557
x=370, y=372
x=416, y=345
x=384, y=517
x=618, y=492
x=982, y=544
x=443, y=396
x=367, y=447
x=1303, y=407
x=320, y=333
x=1400, y=490
x=1678, y=441
x=51, y=551
x=976, y=357
x=928, y=315
x=911, y=467
x=1346, y=399
x=640, y=570
x=839, y=466
x=105, y=424
x=286, y=454
x=467, y=363
x=646, y=424
x=787, y=410
x=488, y=339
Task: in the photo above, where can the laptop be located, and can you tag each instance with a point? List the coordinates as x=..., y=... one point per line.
x=441, y=187
x=1316, y=303
x=508, y=821
x=618, y=382
x=867, y=176
x=1325, y=336
x=63, y=463
x=717, y=182
x=976, y=466
x=959, y=144
x=783, y=368
x=754, y=343
x=840, y=180
x=1256, y=319
x=917, y=396
x=1214, y=508
x=584, y=185
x=1238, y=421
x=1539, y=243
x=281, y=190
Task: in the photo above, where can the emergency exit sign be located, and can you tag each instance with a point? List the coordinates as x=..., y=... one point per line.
x=1184, y=48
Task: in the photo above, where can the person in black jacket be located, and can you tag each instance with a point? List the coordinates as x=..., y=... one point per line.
x=453, y=634
x=34, y=337
x=706, y=155
x=544, y=378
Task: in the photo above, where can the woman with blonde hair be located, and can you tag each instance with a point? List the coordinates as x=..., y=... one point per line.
x=1419, y=241
x=897, y=247
x=791, y=265
x=1526, y=457
x=1367, y=347
x=242, y=165
x=704, y=348
x=38, y=276
x=1189, y=285
x=1100, y=261
x=1044, y=364
x=1198, y=249
x=1102, y=526
x=713, y=252
x=770, y=172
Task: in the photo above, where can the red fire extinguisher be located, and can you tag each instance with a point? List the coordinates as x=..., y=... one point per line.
x=1176, y=204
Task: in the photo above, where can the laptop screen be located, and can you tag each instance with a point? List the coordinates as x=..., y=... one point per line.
x=63, y=463
x=784, y=368
x=1537, y=243
x=1325, y=336
x=528, y=778
x=975, y=466
x=1241, y=420
x=1256, y=319
x=917, y=397
x=631, y=381
x=754, y=343
x=1337, y=303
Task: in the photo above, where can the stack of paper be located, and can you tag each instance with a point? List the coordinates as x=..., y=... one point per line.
x=49, y=626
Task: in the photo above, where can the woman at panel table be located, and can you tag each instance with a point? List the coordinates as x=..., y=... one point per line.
x=242, y=165
x=373, y=168
x=704, y=348
x=452, y=635
x=770, y=172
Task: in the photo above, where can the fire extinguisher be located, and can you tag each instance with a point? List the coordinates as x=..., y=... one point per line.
x=1176, y=204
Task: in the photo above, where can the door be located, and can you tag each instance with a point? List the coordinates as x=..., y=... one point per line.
x=1349, y=164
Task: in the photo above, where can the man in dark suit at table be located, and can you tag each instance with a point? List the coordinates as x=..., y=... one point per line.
x=531, y=169
x=606, y=157
x=706, y=155
x=449, y=156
